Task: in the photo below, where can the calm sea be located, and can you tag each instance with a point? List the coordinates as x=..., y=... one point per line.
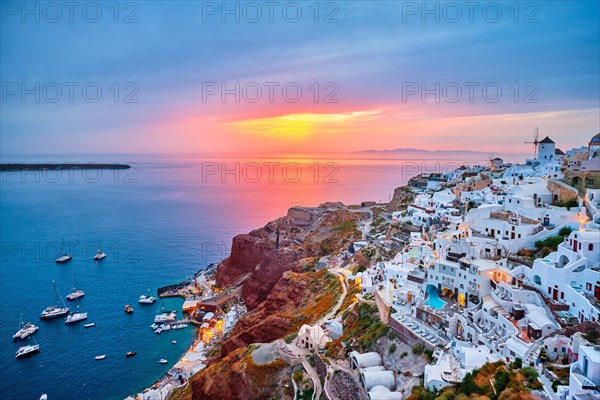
x=159, y=223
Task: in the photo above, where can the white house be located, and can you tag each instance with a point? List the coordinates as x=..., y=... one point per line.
x=584, y=377
x=571, y=275
x=313, y=337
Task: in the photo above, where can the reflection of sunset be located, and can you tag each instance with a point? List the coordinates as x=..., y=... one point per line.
x=301, y=126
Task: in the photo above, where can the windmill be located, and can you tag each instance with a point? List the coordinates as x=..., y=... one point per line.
x=536, y=136
x=491, y=157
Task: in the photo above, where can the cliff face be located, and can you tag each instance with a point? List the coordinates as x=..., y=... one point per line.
x=272, y=319
x=282, y=292
x=401, y=199
x=297, y=298
x=261, y=257
x=239, y=377
x=247, y=251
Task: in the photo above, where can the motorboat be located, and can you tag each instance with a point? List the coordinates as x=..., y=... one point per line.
x=102, y=357
x=174, y=342
x=162, y=361
x=27, y=330
x=27, y=350
x=145, y=299
x=91, y=324
x=128, y=309
x=130, y=354
x=166, y=316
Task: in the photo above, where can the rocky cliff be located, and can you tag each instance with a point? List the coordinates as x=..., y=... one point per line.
x=401, y=199
x=282, y=290
x=260, y=258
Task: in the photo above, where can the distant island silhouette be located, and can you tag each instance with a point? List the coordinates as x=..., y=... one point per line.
x=59, y=166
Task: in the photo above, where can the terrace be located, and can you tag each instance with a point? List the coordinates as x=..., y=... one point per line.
x=431, y=336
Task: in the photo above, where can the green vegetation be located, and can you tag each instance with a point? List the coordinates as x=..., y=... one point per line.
x=418, y=348
x=393, y=347
x=362, y=328
x=345, y=226
x=568, y=204
x=517, y=364
x=549, y=245
x=593, y=336
x=290, y=338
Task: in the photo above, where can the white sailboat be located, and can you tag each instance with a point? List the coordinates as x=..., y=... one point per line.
x=55, y=311
x=76, y=317
x=25, y=330
x=99, y=255
x=65, y=257
x=28, y=350
x=76, y=293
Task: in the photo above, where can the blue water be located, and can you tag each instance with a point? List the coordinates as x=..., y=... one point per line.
x=433, y=300
x=158, y=227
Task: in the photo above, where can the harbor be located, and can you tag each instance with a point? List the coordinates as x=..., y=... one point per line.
x=203, y=307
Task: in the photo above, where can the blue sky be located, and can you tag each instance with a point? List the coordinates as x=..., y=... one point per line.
x=372, y=50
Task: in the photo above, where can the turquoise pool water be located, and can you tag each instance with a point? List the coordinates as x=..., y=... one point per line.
x=432, y=298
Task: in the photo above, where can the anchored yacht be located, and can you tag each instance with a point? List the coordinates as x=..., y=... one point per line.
x=27, y=330
x=27, y=350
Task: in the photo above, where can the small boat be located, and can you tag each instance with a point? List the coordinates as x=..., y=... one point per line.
x=102, y=357
x=27, y=350
x=63, y=259
x=128, y=309
x=145, y=299
x=91, y=324
x=44, y=396
x=27, y=330
x=162, y=361
x=130, y=354
x=75, y=295
x=174, y=341
x=99, y=255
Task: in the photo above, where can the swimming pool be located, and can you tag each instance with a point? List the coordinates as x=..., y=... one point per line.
x=432, y=298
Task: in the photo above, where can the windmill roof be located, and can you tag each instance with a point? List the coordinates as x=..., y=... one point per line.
x=547, y=140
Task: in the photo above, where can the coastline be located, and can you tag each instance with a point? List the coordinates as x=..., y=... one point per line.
x=192, y=360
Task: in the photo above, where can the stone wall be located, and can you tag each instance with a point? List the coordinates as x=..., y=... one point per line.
x=561, y=192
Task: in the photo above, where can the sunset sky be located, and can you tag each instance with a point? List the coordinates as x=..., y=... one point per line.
x=366, y=59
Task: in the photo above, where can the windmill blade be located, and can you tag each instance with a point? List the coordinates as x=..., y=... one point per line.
x=536, y=135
